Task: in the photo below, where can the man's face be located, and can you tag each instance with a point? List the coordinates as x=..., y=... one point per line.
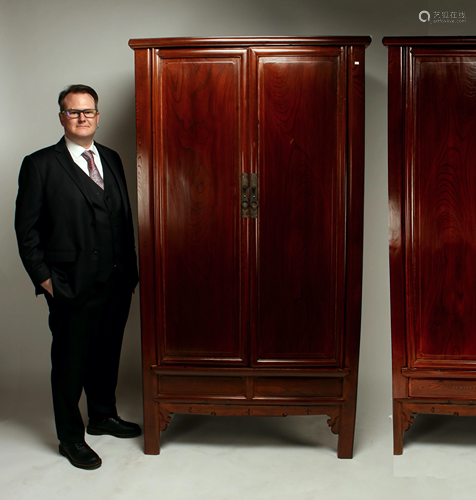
x=80, y=130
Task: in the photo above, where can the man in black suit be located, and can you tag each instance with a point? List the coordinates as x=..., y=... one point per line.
x=75, y=237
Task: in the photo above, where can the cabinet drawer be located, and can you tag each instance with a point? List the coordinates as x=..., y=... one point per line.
x=202, y=385
x=298, y=387
x=428, y=388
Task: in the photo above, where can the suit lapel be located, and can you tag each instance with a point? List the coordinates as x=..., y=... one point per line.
x=110, y=166
x=68, y=164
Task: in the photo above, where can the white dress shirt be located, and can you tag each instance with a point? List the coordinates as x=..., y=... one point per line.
x=75, y=150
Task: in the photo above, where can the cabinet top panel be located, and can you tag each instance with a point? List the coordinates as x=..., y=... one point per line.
x=430, y=40
x=146, y=43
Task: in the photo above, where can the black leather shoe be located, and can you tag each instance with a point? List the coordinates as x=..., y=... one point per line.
x=80, y=455
x=114, y=426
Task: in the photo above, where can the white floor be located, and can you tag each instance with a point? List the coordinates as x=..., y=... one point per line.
x=234, y=458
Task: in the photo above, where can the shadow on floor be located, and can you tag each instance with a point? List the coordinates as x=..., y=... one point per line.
x=292, y=431
x=441, y=429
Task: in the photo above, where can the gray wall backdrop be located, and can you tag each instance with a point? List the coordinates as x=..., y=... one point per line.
x=48, y=44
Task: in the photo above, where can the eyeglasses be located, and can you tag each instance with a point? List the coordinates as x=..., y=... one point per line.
x=75, y=113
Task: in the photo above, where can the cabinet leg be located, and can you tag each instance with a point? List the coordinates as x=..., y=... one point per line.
x=156, y=419
x=402, y=420
x=151, y=430
x=152, y=442
x=345, y=443
x=397, y=431
x=397, y=441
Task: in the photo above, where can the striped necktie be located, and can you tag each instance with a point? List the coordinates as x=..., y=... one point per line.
x=93, y=170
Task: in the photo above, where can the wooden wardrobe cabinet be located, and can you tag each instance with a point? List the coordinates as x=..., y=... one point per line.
x=432, y=195
x=250, y=156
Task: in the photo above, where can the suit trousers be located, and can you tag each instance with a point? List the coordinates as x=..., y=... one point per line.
x=85, y=352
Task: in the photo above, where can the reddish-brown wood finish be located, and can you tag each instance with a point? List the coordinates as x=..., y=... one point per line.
x=202, y=309
x=432, y=217
x=250, y=316
x=299, y=282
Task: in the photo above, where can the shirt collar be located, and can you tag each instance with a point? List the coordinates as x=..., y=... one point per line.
x=76, y=150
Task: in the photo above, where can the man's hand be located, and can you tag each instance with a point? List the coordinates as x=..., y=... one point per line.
x=47, y=285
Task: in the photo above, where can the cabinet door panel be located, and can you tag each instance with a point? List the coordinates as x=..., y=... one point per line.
x=300, y=232
x=441, y=175
x=199, y=233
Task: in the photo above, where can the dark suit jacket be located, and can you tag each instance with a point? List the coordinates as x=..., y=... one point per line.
x=55, y=222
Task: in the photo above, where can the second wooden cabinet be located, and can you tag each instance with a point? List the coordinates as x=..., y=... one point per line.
x=432, y=181
x=250, y=178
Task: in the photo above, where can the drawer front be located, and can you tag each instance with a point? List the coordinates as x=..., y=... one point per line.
x=249, y=388
x=201, y=386
x=297, y=387
x=437, y=388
